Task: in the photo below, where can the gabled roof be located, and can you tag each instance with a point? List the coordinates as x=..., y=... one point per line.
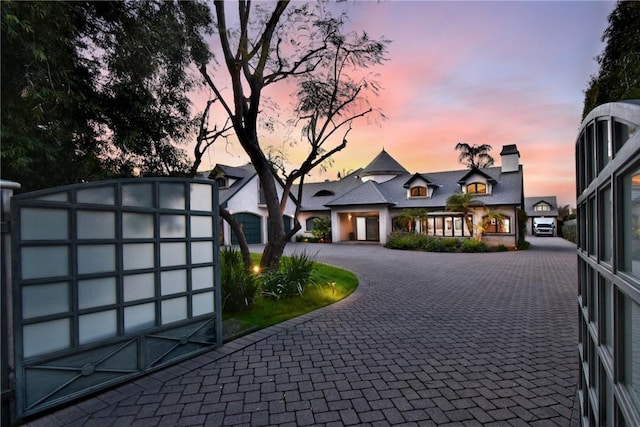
x=237, y=172
x=419, y=176
x=368, y=193
x=383, y=164
x=476, y=171
x=531, y=202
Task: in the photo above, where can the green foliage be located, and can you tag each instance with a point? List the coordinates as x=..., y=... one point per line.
x=473, y=245
x=268, y=311
x=322, y=228
x=569, y=232
x=239, y=286
x=295, y=274
x=414, y=241
x=619, y=75
x=92, y=90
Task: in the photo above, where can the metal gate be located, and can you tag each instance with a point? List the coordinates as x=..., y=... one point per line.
x=111, y=280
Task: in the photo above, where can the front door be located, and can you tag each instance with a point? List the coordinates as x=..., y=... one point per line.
x=367, y=228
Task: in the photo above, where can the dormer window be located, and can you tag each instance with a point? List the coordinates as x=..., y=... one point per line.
x=542, y=207
x=477, y=188
x=418, y=192
x=222, y=182
x=324, y=193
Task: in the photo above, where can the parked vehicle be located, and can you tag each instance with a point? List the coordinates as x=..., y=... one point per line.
x=543, y=230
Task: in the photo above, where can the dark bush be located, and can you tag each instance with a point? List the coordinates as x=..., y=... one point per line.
x=473, y=245
x=239, y=286
x=295, y=274
x=569, y=232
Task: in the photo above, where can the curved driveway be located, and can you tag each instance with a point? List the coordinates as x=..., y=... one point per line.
x=426, y=339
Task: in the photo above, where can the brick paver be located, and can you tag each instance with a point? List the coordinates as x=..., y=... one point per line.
x=427, y=339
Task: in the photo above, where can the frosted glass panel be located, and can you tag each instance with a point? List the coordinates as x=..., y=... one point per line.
x=99, y=195
x=174, y=309
x=96, y=258
x=201, y=226
x=201, y=252
x=172, y=254
x=140, y=195
x=201, y=278
x=55, y=197
x=139, y=317
x=139, y=286
x=172, y=226
x=201, y=197
x=96, y=225
x=44, y=224
x=202, y=304
x=137, y=226
x=173, y=282
x=96, y=292
x=97, y=326
x=42, y=300
x=137, y=255
x=38, y=338
x=172, y=196
x=45, y=261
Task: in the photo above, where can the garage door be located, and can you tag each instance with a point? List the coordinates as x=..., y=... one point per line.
x=250, y=226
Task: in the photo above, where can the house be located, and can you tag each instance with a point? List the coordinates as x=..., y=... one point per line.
x=541, y=210
x=369, y=203
x=241, y=194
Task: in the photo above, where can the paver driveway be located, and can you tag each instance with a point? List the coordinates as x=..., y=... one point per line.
x=427, y=339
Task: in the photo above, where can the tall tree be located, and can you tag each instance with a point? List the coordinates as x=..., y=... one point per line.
x=474, y=156
x=619, y=75
x=304, y=45
x=96, y=89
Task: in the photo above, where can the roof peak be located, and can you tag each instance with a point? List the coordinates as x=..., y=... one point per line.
x=383, y=164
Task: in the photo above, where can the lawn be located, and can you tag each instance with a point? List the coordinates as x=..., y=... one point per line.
x=267, y=311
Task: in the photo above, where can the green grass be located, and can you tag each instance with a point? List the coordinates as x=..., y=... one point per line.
x=267, y=311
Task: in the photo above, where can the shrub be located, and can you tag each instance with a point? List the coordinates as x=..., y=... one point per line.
x=450, y=244
x=407, y=240
x=501, y=248
x=296, y=272
x=322, y=228
x=522, y=230
x=569, y=232
x=238, y=285
x=473, y=245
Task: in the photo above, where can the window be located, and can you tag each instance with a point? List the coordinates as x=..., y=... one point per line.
x=630, y=231
x=477, y=188
x=542, y=207
x=497, y=225
x=262, y=199
x=419, y=192
x=311, y=223
x=324, y=193
x=222, y=182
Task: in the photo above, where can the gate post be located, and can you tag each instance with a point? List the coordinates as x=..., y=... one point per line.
x=6, y=309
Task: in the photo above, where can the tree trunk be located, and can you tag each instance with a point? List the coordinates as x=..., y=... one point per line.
x=242, y=241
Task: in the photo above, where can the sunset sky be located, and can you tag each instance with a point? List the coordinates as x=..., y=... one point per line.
x=478, y=72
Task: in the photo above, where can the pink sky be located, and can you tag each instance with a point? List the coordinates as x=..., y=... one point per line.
x=478, y=72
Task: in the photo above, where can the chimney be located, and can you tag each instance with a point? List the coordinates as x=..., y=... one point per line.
x=510, y=158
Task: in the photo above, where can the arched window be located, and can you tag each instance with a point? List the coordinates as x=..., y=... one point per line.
x=542, y=208
x=324, y=193
x=418, y=192
x=477, y=188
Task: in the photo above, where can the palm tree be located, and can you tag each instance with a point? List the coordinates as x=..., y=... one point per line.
x=463, y=203
x=409, y=216
x=474, y=156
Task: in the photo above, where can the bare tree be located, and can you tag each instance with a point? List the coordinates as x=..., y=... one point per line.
x=305, y=45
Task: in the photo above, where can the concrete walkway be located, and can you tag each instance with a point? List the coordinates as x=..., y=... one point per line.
x=427, y=339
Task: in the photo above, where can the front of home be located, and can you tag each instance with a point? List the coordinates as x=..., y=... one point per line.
x=541, y=210
x=372, y=202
